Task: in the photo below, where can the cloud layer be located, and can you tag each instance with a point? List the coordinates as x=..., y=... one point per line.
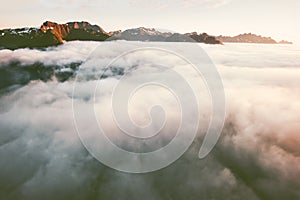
x=257, y=156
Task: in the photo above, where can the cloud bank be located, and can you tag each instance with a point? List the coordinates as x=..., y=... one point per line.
x=257, y=156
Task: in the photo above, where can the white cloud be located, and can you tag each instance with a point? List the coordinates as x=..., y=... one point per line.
x=257, y=156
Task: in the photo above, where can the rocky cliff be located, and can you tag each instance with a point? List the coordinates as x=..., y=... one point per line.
x=50, y=34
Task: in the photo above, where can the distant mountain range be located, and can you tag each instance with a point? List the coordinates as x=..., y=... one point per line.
x=147, y=34
x=250, y=38
x=52, y=34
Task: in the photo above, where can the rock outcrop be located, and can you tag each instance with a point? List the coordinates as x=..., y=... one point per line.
x=204, y=38
x=50, y=34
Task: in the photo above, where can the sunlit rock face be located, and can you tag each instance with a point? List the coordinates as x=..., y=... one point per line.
x=50, y=34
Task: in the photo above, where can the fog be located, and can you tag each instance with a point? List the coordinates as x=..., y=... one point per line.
x=42, y=156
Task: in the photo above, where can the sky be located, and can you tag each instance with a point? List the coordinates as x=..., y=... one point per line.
x=275, y=18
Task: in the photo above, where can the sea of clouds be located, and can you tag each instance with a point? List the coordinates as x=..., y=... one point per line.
x=257, y=156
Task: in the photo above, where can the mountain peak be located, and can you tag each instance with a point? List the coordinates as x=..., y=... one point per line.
x=50, y=34
x=143, y=31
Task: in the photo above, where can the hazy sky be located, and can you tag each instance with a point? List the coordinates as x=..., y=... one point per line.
x=279, y=19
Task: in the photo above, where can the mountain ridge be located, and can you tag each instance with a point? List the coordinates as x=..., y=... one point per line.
x=250, y=38
x=53, y=34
